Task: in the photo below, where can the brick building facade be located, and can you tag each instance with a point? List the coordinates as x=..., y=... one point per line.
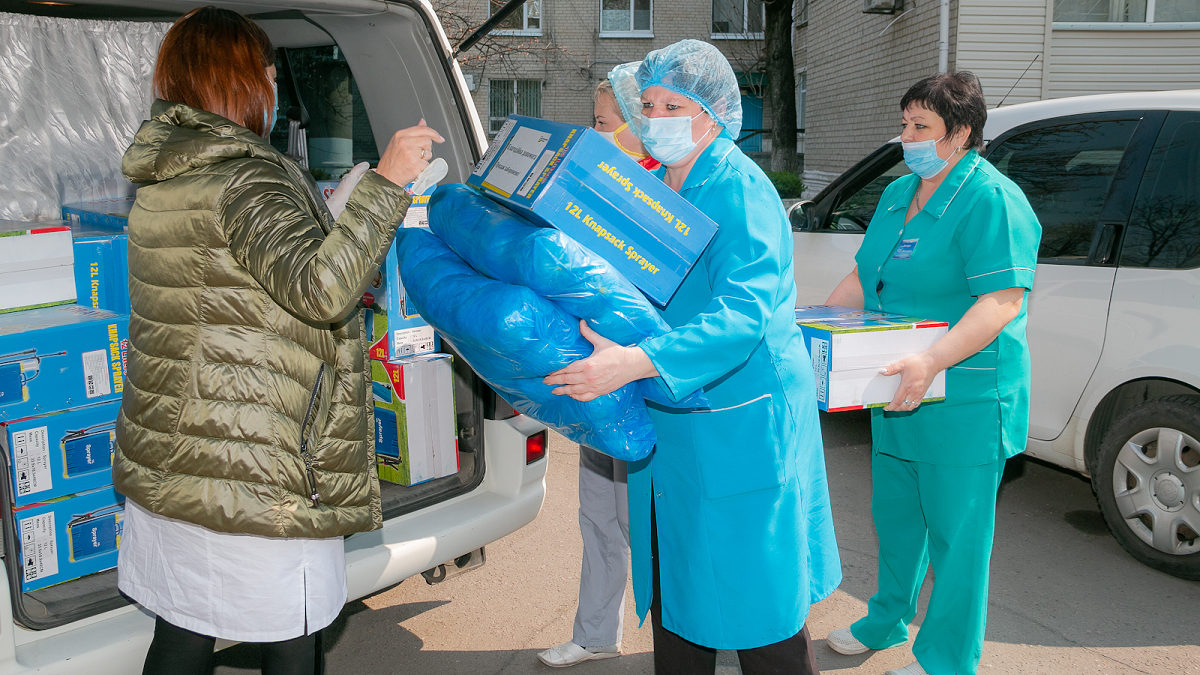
x=551, y=54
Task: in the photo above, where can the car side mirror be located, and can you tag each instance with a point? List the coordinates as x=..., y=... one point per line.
x=802, y=215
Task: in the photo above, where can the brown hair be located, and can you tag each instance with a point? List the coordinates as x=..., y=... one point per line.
x=214, y=59
x=604, y=92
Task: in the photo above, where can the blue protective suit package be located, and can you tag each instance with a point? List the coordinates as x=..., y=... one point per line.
x=513, y=338
x=505, y=246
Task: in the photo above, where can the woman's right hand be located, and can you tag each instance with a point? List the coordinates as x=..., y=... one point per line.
x=408, y=154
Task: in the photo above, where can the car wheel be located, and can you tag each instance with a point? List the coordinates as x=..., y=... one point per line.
x=1147, y=483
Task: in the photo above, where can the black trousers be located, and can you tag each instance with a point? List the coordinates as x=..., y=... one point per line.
x=674, y=655
x=178, y=651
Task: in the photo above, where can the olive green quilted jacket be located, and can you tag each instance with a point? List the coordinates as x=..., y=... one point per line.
x=247, y=408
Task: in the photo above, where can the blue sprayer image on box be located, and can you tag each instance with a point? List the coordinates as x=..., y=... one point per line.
x=69, y=537
x=61, y=453
x=56, y=358
x=572, y=178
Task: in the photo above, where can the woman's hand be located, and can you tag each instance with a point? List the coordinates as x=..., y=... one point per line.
x=609, y=368
x=916, y=374
x=408, y=153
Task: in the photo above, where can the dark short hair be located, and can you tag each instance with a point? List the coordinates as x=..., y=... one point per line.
x=957, y=98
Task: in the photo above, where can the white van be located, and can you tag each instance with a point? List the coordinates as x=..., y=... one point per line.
x=1115, y=310
x=356, y=70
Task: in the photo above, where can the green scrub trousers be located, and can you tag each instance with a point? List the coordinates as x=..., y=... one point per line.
x=944, y=515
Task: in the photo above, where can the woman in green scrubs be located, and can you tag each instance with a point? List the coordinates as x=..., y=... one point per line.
x=954, y=241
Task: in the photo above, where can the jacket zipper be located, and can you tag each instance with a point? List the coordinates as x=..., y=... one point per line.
x=305, y=450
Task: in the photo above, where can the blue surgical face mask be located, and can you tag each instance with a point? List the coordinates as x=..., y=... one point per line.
x=269, y=117
x=669, y=139
x=922, y=158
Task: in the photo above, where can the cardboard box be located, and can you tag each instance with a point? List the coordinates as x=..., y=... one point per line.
x=69, y=538
x=61, y=453
x=399, y=330
x=102, y=269
x=109, y=214
x=56, y=358
x=37, y=267
x=416, y=436
x=848, y=347
x=571, y=178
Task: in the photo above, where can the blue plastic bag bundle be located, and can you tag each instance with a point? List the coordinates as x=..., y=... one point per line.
x=513, y=338
x=504, y=246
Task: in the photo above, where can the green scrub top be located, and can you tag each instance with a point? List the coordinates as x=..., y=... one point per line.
x=977, y=234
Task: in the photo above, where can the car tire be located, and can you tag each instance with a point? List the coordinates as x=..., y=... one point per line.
x=1151, y=499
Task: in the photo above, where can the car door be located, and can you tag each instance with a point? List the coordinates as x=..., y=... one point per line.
x=828, y=232
x=1079, y=174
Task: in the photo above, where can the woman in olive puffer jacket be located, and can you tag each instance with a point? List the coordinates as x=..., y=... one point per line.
x=244, y=443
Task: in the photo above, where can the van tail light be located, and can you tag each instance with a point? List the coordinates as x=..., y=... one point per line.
x=535, y=447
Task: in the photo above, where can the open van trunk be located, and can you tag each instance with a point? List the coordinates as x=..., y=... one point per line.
x=361, y=69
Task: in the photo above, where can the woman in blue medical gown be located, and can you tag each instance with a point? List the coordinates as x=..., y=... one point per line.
x=731, y=532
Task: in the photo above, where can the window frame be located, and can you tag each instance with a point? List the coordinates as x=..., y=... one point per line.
x=744, y=35
x=801, y=100
x=1148, y=24
x=515, y=94
x=1107, y=238
x=526, y=30
x=632, y=32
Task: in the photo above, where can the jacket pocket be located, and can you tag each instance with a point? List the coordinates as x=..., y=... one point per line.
x=311, y=429
x=737, y=448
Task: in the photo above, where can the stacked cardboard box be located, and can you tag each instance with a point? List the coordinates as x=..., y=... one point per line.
x=36, y=265
x=849, y=346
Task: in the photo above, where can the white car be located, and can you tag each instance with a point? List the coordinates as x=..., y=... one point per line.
x=394, y=66
x=1114, y=316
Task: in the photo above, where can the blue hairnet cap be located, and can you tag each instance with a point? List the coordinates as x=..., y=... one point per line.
x=623, y=79
x=700, y=72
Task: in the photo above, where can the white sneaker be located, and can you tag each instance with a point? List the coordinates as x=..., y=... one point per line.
x=843, y=641
x=913, y=668
x=569, y=653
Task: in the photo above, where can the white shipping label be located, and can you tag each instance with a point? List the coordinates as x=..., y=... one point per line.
x=31, y=461
x=497, y=143
x=819, y=351
x=39, y=547
x=96, y=379
x=516, y=160
x=412, y=341
x=417, y=216
x=536, y=173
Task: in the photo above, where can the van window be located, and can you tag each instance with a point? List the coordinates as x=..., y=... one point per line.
x=1065, y=172
x=855, y=209
x=318, y=79
x=1164, y=228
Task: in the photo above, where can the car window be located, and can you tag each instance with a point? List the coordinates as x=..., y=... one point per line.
x=339, y=132
x=856, y=207
x=1065, y=172
x=1164, y=228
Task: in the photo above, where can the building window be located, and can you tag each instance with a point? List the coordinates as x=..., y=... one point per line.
x=508, y=97
x=801, y=12
x=625, y=18
x=733, y=19
x=801, y=95
x=1126, y=11
x=525, y=21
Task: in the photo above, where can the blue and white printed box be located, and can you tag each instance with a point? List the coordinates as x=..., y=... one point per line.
x=849, y=346
x=69, y=538
x=36, y=265
x=109, y=214
x=416, y=437
x=56, y=358
x=571, y=178
x=398, y=331
x=60, y=454
x=102, y=269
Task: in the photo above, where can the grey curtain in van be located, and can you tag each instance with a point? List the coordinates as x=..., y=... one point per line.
x=72, y=94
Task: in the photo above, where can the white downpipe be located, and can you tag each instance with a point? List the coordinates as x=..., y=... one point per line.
x=944, y=37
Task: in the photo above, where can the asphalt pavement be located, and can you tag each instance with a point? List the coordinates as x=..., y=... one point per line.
x=1065, y=599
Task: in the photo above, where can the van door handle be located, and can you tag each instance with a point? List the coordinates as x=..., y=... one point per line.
x=1105, y=252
